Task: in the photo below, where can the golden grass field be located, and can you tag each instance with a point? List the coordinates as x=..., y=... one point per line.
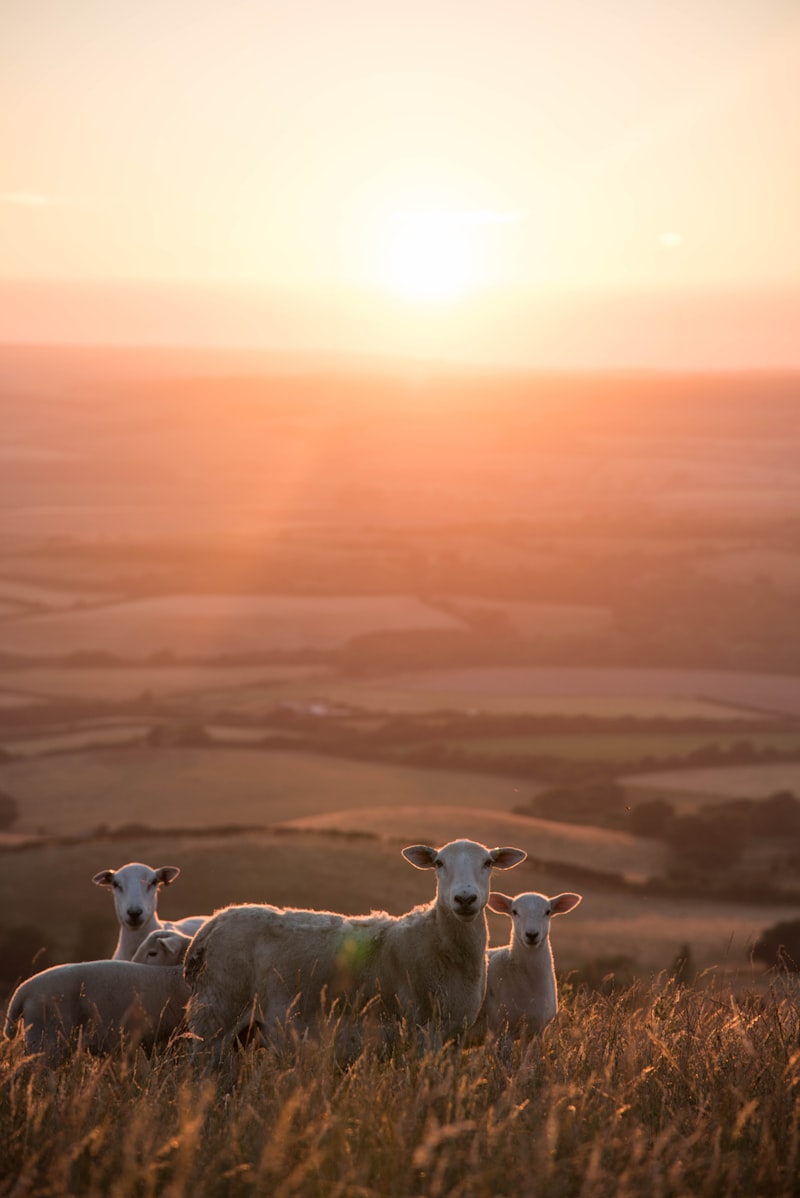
x=654, y=1091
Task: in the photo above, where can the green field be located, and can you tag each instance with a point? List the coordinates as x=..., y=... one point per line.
x=120, y=684
x=693, y=788
x=757, y=691
x=81, y=739
x=208, y=625
x=618, y=747
x=73, y=793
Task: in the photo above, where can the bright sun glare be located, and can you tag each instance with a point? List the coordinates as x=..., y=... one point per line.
x=430, y=255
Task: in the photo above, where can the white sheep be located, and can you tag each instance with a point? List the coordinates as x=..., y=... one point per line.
x=102, y=1005
x=162, y=947
x=521, y=989
x=135, y=890
x=252, y=968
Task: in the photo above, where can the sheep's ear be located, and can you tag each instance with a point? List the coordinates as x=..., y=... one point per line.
x=420, y=855
x=173, y=942
x=166, y=874
x=563, y=903
x=506, y=858
x=104, y=877
x=500, y=903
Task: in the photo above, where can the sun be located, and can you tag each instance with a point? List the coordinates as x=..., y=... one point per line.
x=430, y=255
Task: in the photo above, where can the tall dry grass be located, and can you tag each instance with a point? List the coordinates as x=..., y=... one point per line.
x=657, y=1090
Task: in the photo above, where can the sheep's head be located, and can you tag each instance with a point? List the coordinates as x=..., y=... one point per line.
x=463, y=872
x=135, y=890
x=162, y=948
x=531, y=913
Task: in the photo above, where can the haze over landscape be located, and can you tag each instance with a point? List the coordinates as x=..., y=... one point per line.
x=571, y=186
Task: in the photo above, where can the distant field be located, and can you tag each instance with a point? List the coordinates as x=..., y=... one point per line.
x=770, y=692
x=45, y=596
x=780, y=567
x=257, y=689
x=633, y=857
x=619, y=747
x=131, y=682
x=211, y=625
x=537, y=619
x=11, y=699
x=11, y=609
x=84, y=738
x=692, y=788
x=193, y=788
x=388, y=695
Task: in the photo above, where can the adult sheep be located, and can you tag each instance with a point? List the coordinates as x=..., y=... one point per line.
x=521, y=989
x=254, y=968
x=102, y=1005
x=135, y=889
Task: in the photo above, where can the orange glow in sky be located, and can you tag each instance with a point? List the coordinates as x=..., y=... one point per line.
x=408, y=172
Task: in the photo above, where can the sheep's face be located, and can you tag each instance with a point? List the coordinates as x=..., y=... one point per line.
x=531, y=914
x=135, y=889
x=162, y=948
x=463, y=873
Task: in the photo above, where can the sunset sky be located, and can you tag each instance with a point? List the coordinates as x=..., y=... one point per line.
x=561, y=184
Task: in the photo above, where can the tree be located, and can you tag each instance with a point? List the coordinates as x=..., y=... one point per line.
x=653, y=818
x=710, y=839
x=780, y=945
x=9, y=811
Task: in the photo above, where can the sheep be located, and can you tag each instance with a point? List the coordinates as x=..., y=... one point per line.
x=521, y=989
x=252, y=969
x=135, y=889
x=162, y=947
x=103, y=1005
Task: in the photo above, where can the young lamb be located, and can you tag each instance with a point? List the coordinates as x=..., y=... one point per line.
x=253, y=968
x=162, y=947
x=135, y=889
x=109, y=1003
x=521, y=988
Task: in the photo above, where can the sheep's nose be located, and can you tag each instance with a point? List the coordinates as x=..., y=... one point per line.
x=465, y=901
x=134, y=914
x=531, y=937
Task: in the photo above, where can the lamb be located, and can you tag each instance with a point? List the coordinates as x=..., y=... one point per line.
x=521, y=989
x=162, y=947
x=103, y=1005
x=135, y=889
x=253, y=969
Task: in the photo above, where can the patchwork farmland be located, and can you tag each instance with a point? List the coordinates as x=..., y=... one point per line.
x=384, y=622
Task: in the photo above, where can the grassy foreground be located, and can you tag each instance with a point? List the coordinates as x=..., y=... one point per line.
x=657, y=1090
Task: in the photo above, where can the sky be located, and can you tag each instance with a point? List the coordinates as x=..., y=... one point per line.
x=572, y=183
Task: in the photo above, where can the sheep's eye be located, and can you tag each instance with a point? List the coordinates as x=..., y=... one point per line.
x=488, y=863
x=438, y=863
x=115, y=885
x=548, y=911
x=514, y=911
